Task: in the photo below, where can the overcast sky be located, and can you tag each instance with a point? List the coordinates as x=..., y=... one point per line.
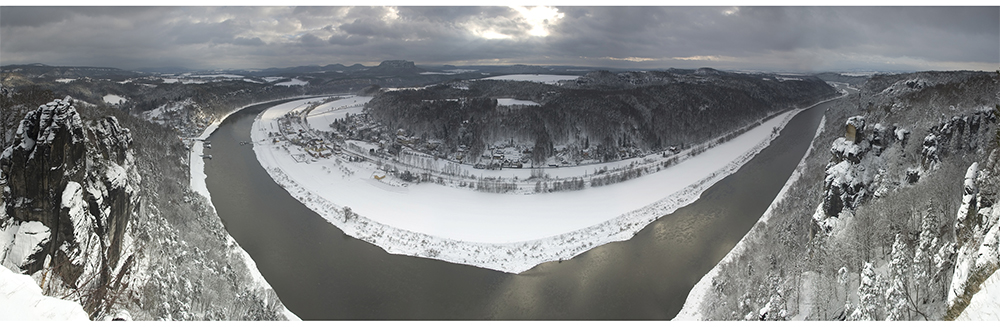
x=744, y=38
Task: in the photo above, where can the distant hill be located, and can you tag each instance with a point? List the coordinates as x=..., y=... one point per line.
x=42, y=71
x=394, y=68
x=165, y=70
x=602, y=115
x=841, y=78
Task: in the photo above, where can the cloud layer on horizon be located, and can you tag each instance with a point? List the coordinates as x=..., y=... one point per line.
x=751, y=38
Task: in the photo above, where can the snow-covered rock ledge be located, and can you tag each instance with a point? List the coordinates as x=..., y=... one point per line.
x=505, y=232
x=197, y=167
x=22, y=299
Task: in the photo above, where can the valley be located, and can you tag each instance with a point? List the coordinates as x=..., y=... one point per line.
x=499, y=162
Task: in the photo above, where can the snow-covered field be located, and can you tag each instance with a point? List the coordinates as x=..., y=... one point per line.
x=783, y=78
x=157, y=115
x=215, y=76
x=449, y=72
x=541, y=78
x=511, y=102
x=184, y=81
x=188, y=78
x=859, y=74
x=506, y=232
x=294, y=81
x=322, y=116
x=113, y=99
x=65, y=80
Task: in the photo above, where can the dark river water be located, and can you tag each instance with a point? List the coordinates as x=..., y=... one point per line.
x=320, y=273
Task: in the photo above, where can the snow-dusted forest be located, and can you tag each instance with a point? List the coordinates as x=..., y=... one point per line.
x=891, y=216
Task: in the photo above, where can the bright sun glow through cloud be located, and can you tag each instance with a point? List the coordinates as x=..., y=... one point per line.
x=539, y=18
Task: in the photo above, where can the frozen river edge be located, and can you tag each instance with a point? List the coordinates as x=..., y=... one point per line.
x=512, y=257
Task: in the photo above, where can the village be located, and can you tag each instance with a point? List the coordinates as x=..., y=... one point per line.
x=399, y=158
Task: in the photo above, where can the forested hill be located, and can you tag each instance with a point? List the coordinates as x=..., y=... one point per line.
x=603, y=115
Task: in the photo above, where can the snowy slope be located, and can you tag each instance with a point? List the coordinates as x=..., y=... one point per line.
x=322, y=116
x=159, y=114
x=113, y=99
x=293, y=82
x=19, y=241
x=513, y=102
x=21, y=299
x=985, y=305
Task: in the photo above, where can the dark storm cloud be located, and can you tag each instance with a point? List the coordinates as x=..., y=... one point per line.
x=38, y=16
x=789, y=38
x=930, y=33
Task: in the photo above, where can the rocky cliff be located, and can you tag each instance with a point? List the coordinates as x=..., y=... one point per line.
x=893, y=218
x=70, y=191
x=94, y=211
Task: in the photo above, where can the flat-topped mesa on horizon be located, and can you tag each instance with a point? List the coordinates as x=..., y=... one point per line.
x=395, y=67
x=397, y=64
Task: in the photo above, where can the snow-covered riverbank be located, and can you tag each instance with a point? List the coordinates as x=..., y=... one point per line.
x=197, y=175
x=699, y=293
x=506, y=232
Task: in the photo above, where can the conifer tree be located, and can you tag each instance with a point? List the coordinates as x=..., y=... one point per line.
x=869, y=295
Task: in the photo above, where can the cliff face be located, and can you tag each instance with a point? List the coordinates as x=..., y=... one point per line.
x=70, y=191
x=903, y=206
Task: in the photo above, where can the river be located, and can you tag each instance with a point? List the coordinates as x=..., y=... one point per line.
x=321, y=273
